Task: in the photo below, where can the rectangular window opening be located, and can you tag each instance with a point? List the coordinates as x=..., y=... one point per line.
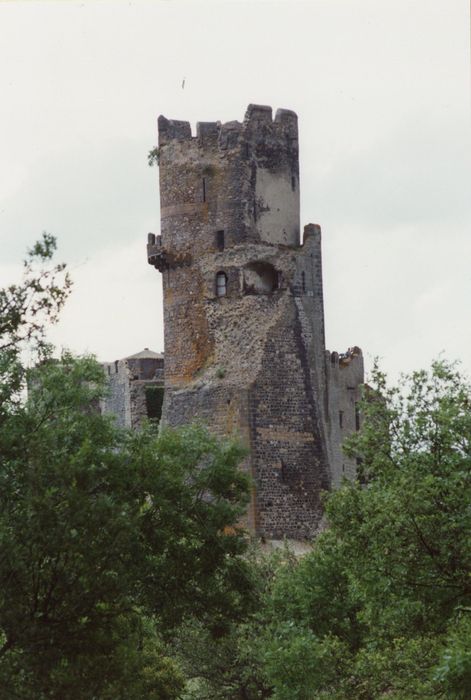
x=220, y=240
x=204, y=189
x=221, y=284
x=154, y=401
x=357, y=417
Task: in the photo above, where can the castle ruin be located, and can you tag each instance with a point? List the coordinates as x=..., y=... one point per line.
x=244, y=317
x=135, y=388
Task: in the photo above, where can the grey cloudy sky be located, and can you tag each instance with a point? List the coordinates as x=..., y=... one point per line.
x=381, y=89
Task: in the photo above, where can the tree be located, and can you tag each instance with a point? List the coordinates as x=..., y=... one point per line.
x=380, y=606
x=108, y=538
x=228, y=663
x=26, y=309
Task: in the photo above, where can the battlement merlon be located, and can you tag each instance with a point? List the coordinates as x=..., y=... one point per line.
x=257, y=122
x=312, y=231
x=172, y=129
x=156, y=255
x=352, y=356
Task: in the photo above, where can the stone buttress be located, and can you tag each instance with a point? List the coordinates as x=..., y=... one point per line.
x=243, y=310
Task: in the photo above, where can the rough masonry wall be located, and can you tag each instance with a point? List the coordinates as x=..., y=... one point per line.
x=288, y=456
x=243, y=309
x=117, y=402
x=345, y=374
x=128, y=381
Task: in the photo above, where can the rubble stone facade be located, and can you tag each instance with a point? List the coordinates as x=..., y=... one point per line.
x=135, y=388
x=243, y=313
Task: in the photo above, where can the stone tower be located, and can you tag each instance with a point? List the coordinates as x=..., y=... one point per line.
x=135, y=388
x=243, y=312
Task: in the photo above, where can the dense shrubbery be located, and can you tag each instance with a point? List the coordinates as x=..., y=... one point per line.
x=381, y=607
x=123, y=574
x=109, y=539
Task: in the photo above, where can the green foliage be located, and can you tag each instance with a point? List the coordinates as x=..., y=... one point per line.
x=227, y=663
x=153, y=156
x=109, y=539
x=371, y=612
x=380, y=607
x=25, y=311
x=124, y=574
x=454, y=669
x=25, y=308
x=98, y=526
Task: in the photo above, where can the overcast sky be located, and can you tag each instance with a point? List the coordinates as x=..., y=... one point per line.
x=381, y=89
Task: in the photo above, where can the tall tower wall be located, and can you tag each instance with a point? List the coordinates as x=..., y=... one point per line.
x=243, y=307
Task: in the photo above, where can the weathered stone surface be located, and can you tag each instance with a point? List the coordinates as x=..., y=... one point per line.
x=244, y=317
x=132, y=382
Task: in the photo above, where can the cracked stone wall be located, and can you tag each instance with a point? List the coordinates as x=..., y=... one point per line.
x=248, y=356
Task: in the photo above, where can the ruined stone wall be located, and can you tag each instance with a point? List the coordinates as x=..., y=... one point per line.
x=344, y=380
x=117, y=402
x=240, y=180
x=220, y=405
x=287, y=446
x=128, y=381
x=243, y=308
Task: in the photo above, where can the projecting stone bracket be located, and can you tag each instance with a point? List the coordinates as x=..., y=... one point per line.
x=156, y=255
x=161, y=259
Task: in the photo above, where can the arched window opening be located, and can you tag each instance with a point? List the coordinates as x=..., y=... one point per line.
x=221, y=284
x=260, y=278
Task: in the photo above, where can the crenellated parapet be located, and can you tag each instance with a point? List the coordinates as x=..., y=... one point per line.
x=238, y=177
x=257, y=126
x=244, y=314
x=351, y=357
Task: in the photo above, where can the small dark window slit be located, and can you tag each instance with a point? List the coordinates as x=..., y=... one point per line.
x=220, y=240
x=204, y=189
x=357, y=417
x=303, y=281
x=293, y=183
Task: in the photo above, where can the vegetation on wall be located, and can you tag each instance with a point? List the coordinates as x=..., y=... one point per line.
x=154, y=401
